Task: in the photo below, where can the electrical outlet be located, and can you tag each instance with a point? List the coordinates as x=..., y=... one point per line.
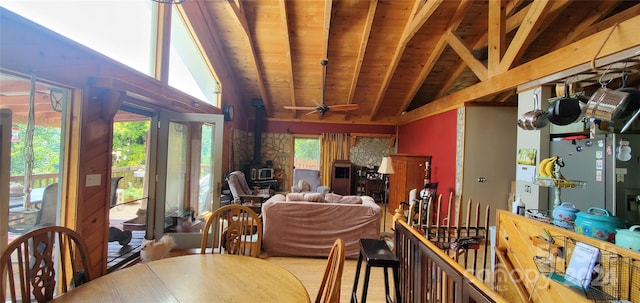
x=93, y=180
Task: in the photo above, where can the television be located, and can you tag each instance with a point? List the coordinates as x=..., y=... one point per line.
x=261, y=174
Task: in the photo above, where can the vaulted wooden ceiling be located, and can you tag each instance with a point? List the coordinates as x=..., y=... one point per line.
x=390, y=56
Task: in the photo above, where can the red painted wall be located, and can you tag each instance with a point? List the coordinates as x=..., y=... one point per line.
x=318, y=128
x=434, y=136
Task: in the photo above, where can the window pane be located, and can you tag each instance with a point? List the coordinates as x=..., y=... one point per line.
x=306, y=153
x=118, y=29
x=188, y=71
x=36, y=152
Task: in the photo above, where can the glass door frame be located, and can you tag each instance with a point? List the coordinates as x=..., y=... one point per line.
x=5, y=163
x=161, y=135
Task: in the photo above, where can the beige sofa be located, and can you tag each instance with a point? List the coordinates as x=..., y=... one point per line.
x=302, y=228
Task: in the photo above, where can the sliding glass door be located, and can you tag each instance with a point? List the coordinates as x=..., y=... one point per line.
x=189, y=174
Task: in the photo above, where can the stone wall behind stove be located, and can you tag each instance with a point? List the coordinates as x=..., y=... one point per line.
x=368, y=151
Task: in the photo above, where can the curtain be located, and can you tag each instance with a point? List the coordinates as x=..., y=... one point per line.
x=334, y=147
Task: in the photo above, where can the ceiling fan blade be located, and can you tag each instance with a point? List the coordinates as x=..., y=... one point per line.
x=300, y=107
x=311, y=112
x=343, y=107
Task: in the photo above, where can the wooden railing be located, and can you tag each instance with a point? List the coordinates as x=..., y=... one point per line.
x=42, y=180
x=39, y=180
x=427, y=274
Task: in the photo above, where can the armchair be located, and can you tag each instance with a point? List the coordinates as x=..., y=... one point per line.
x=241, y=192
x=312, y=177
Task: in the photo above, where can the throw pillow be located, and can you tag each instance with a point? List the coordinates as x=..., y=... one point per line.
x=332, y=198
x=295, y=197
x=313, y=197
x=304, y=185
x=351, y=200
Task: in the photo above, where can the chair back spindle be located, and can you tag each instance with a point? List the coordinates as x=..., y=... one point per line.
x=42, y=261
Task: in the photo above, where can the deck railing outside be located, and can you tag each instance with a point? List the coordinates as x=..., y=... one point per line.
x=427, y=274
x=42, y=180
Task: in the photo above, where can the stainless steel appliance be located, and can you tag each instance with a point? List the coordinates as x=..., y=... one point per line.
x=610, y=164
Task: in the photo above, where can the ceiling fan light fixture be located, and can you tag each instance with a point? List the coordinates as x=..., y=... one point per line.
x=323, y=108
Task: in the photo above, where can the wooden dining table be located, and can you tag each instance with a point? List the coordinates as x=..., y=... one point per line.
x=194, y=278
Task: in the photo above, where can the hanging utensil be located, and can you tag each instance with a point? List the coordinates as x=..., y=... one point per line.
x=565, y=110
x=606, y=104
x=633, y=102
x=534, y=119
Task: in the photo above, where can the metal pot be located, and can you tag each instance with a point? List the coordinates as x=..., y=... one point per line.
x=564, y=215
x=565, y=110
x=629, y=238
x=633, y=102
x=598, y=223
x=534, y=119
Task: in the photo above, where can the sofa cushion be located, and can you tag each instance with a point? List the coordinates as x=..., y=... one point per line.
x=307, y=197
x=295, y=197
x=335, y=198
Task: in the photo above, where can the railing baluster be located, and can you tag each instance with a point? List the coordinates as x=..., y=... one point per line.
x=427, y=274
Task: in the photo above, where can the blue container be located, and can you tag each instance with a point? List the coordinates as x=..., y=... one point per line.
x=598, y=223
x=564, y=215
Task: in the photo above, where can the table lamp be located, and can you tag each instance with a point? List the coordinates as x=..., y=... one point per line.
x=386, y=169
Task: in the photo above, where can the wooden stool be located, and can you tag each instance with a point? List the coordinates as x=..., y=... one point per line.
x=377, y=254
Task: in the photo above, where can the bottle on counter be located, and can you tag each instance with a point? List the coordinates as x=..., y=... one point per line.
x=517, y=207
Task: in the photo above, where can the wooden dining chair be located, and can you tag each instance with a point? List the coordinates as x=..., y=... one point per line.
x=41, y=263
x=233, y=229
x=329, y=291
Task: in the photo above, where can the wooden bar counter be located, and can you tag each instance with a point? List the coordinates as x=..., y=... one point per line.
x=194, y=278
x=520, y=249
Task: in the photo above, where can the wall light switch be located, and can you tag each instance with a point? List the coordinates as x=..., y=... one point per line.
x=93, y=180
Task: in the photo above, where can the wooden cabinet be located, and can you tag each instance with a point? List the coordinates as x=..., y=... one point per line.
x=409, y=173
x=341, y=176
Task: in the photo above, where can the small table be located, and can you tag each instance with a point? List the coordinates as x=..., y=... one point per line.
x=194, y=278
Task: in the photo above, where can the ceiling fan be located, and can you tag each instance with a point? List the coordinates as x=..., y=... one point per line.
x=323, y=108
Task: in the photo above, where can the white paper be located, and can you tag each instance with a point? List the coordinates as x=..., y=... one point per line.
x=580, y=268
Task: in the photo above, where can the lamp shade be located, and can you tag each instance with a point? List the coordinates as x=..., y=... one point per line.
x=386, y=167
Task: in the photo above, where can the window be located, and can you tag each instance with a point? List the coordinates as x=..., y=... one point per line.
x=118, y=24
x=188, y=69
x=306, y=152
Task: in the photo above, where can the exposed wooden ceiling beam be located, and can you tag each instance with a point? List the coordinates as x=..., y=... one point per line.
x=438, y=48
x=284, y=21
x=366, y=31
x=416, y=20
x=465, y=53
x=525, y=34
x=496, y=31
x=564, y=58
x=240, y=18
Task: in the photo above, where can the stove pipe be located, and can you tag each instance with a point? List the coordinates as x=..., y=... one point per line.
x=259, y=105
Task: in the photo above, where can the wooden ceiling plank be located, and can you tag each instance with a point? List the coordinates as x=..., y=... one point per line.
x=366, y=31
x=496, y=32
x=240, y=18
x=439, y=47
x=425, y=12
x=525, y=34
x=418, y=17
x=451, y=80
x=465, y=53
x=624, y=15
x=364, y=41
x=561, y=59
x=288, y=64
x=603, y=9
